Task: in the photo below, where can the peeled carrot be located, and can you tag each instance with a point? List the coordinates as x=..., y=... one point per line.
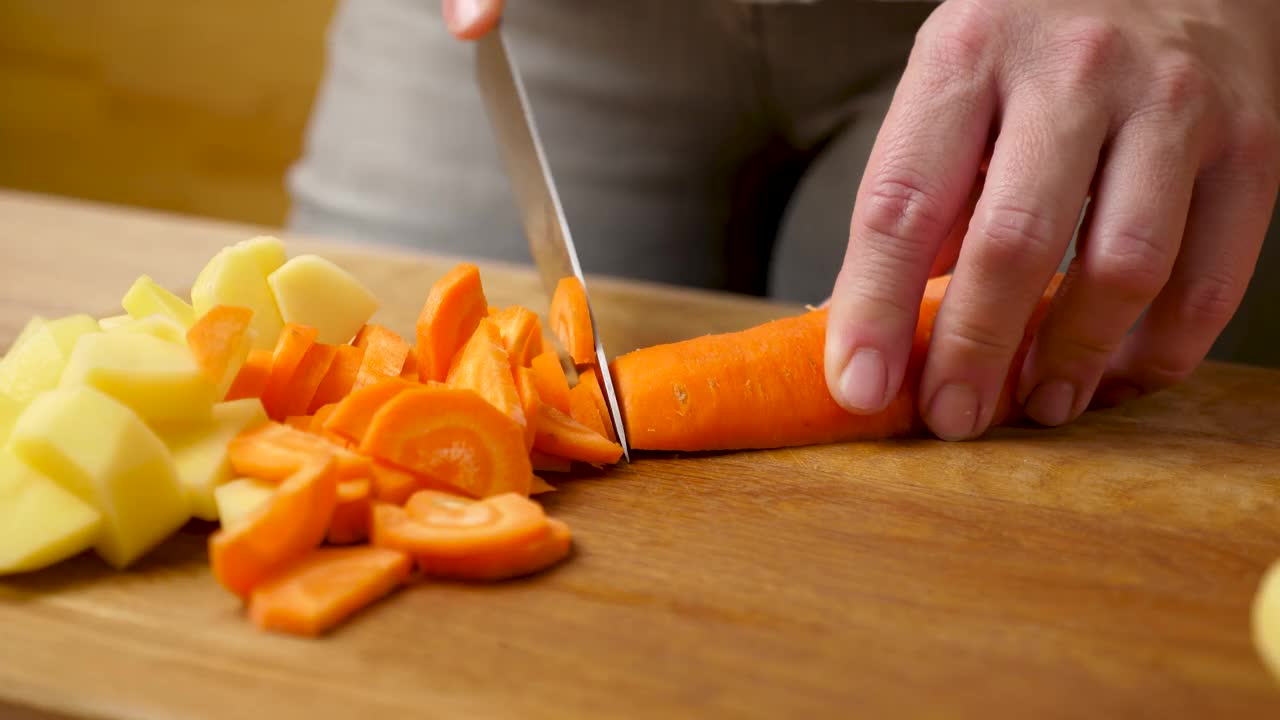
x=570, y=320
x=384, y=356
x=529, y=557
x=454, y=307
x=219, y=341
x=484, y=366
x=453, y=436
x=326, y=587
x=307, y=377
x=318, y=417
x=299, y=422
x=553, y=386
x=544, y=462
x=521, y=333
x=393, y=485
x=587, y=404
x=352, y=416
x=274, y=451
x=540, y=486
x=410, y=369
x=436, y=524
x=560, y=435
x=337, y=382
x=764, y=387
x=295, y=340
x=280, y=531
x=252, y=379
x=527, y=390
x=352, y=514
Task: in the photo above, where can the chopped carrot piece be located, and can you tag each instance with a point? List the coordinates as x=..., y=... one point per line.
x=437, y=524
x=219, y=341
x=252, y=379
x=337, y=382
x=553, y=385
x=352, y=515
x=545, y=462
x=453, y=308
x=410, y=369
x=384, y=355
x=318, y=418
x=587, y=405
x=326, y=587
x=299, y=422
x=483, y=366
x=279, y=532
x=561, y=435
x=274, y=451
x=352, y=416
x=527, y=390
x=453, y=436
x=307, y=378
x=541, y=486
x=393, y=485
x=521, y=333
x=294, y=342
x=532, y=556
x=570, y=320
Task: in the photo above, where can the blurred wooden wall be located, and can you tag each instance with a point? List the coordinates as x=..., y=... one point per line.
x=183, y=105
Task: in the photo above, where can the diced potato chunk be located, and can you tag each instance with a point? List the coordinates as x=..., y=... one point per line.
x=34, y=324
x=41, y=523
x=237, y=276
x=311, y=290
x=9, y=411
x=102, y=452
x=147, y=298
x=36, y=362
x=114, y=321
x=200, y=451
x=157, y=379
x=160, y=326
x=240, y=497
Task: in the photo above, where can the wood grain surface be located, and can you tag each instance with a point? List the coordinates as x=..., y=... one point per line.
x=1101, y=570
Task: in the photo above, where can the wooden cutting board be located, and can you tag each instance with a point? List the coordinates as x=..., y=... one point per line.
x=1101, y=570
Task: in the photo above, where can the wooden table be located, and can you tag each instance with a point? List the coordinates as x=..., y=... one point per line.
x=1101, y=570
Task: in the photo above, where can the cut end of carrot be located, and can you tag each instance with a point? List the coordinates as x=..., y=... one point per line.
x=562, y=436
x=326, y=587
x=570, y=320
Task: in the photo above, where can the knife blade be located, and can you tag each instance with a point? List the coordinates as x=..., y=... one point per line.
x=541, y=213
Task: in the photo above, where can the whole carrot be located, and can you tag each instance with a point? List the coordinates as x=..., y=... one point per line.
x=764, y=387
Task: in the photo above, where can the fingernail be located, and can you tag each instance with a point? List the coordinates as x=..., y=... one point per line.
x=863, y=382
x=465, y=14
x=953, y=413
x=1051, y=403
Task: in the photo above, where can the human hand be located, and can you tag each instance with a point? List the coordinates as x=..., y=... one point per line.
x=1166, y=112
x=471, y=19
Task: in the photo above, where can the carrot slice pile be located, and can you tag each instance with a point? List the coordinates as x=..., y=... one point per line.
x=587, y=404
x=306, y=378
x=351, y=418
x=454, y=307
x=484, y=366
x=570, y=320
x=521, y=333
x=341, y=376
x=552, y=384
x=274, y=451
x=384, y=356
x=327, y=587
x=295, y=340
x=560, y=435
x=252, y=378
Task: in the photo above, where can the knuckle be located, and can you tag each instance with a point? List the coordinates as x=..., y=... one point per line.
x=1134, y=265
x=1084, y=49
x=957, y=41
x=1014, y=236
x=981, y=339
x=1210, y=300
x=899, y=206
x=1180, y=88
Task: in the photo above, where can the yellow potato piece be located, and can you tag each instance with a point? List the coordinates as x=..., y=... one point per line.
x=200, y=451
x=237, y=276
x=35, y=323
x=157, y=379
x=36, y=362
x=146, y=298
x=238, y=499
x=1266, y=619
x=311, y=290
x=102, y=452
x=41, y=523
x=159, y=326
x=113, y=322
x=9, y=411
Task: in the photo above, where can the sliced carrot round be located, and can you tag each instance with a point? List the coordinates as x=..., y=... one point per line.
x=351, y=418
x=571, y=321
x=435, y=525
x=531, y=556
x=453, y=436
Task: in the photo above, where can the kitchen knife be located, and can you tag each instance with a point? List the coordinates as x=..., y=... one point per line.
x=545, y=226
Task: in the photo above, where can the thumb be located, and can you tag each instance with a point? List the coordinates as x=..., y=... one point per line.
x=471, y=19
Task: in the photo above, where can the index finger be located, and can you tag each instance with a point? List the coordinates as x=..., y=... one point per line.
x=920, y=173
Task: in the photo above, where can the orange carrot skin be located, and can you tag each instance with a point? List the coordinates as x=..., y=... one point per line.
x=570, y=320
x=454, y=307
x=252, y=379
x=552, y=384
x=525, y=559
x=336, y=383
x=325, y=588
x=763, y=387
